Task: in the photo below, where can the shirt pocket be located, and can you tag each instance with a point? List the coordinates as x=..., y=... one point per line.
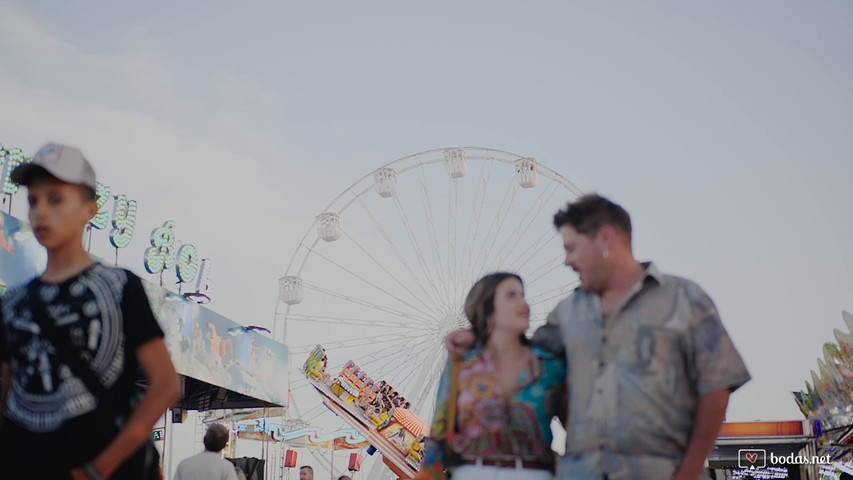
x=656, y=357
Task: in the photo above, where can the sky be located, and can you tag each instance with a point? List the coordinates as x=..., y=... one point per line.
x=723, y=128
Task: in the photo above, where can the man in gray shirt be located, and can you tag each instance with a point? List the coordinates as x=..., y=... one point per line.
x=650, y=366
x=208, y=465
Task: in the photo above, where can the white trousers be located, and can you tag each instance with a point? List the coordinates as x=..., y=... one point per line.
x=488, y=472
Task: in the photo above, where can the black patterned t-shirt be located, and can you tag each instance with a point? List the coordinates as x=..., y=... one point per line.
x=104, y=315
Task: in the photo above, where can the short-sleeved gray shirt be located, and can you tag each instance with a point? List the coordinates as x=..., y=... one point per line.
x=635, y=378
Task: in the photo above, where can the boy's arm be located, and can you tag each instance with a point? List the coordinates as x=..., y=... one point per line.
x=5, y=367
x=164, y=390
x=5, y=382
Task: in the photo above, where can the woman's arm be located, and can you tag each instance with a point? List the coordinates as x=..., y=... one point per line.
x=163, y=391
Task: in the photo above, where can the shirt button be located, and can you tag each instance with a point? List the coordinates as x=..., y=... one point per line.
x=601, y=364
x=604, y=339
x=600, y=392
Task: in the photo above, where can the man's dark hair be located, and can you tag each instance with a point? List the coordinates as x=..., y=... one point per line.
x=215, y=438
x=590, y=212
x=344, y=477
x=307, y=467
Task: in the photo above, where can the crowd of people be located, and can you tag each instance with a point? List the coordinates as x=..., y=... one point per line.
x=377, y=400
x=636, y=363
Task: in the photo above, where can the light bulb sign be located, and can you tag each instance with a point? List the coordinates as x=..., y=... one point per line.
x=161, y=254
x=124, y=220
x=11, y=159
x=101, y=219
x=188, y=263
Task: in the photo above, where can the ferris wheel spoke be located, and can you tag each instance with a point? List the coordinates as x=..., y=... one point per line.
x=561, y=294
x=400, y=359
x=481, y=256
x=538, y=244
x=399, y=378
x=368, y=282
x=430, y=369
x=500, y=218
x=402, y=369
x=411, y=348
x=552, y=293
x=407, y=348
x=385, y=324
x=365, y=303
x=397, y=253
x=390, y=275
x=452, y=227
x=466, y=275
x=434, y=279
x=546, y=268
x=427, y=206
x=371, y=340
x=517, y=233
x=543, y=241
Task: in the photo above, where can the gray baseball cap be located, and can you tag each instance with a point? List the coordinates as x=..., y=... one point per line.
x=65, y=163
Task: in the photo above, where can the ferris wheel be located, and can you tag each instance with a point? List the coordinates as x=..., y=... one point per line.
x=381, y=277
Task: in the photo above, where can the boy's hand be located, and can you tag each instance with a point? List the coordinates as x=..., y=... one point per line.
x=458, y=343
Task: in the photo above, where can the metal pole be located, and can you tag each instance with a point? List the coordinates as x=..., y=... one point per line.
x=332, y=473
x=168, y=427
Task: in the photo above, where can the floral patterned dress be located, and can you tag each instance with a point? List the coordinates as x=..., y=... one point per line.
x=490, y=426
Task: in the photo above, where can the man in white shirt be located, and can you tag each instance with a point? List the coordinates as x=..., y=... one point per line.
x=208, y=465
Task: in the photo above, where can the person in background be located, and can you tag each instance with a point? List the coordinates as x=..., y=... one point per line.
x=208, y=465
x=306, y=472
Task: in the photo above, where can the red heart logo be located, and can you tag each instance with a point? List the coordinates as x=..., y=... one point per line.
x=752, y=457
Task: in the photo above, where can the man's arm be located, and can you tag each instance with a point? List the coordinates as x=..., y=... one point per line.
x=459, y=342
x=709, y=417
x=549, y=338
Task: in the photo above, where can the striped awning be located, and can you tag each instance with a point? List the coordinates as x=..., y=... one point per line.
x=411, y=422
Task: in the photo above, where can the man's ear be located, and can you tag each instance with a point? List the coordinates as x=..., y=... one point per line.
x=606, y=236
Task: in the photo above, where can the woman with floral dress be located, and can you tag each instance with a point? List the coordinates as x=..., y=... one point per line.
x=508, y=391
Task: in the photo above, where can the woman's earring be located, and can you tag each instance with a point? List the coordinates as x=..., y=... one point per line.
x=605, y=253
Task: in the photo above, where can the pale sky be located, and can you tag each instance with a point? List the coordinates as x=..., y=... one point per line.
x=723, y=128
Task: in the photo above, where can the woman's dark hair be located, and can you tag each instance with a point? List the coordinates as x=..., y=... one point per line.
x=480, y=304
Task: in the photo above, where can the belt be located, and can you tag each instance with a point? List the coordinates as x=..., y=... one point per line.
x=511, y=463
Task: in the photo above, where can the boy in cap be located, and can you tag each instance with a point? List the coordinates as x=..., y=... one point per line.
x=71, y=342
